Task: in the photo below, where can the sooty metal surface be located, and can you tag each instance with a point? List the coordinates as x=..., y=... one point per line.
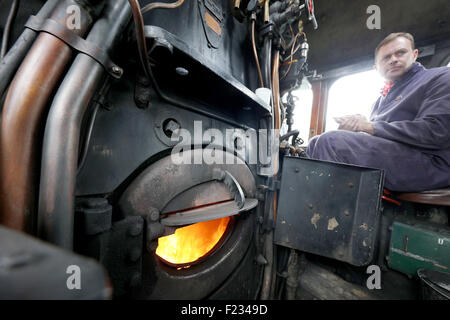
x=204, y=75
x=329, y=209
x=31, y=269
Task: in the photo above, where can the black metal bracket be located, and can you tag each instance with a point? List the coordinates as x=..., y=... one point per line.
x=271, y=30
x=76, y=42
x=267, y=29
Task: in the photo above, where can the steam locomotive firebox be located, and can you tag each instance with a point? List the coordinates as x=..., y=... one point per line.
x=148, y=148
x=108, y=186
x=199, y=221
x=195, y=232
x=190, y=244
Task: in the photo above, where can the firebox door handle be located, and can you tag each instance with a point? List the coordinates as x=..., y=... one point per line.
x=233, y=185
x=216, y=211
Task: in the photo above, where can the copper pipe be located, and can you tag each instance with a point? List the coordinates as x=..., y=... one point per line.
x=276, y=89
x=140, y=36
x=255, y=53
x=161, y=5
x=62, y=131
x=23, y=116
x=11, y=61
x=276, y=101
x=320, y=97
x=291, y=56
x=266, y=12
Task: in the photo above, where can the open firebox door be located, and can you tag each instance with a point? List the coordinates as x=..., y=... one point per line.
x=329, y=209
x=199, y=223
x=200, y=229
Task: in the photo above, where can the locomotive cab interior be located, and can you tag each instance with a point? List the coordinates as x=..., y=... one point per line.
x=159, y=149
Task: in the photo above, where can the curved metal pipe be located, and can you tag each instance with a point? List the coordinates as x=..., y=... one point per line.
x=255, y=53
x=10, y=62
x=276, y=90
x=22, y=117
x=161, y=5
x=11, y=16
x=62, y=131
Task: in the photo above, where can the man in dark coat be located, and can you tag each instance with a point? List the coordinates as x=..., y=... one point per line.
x=408, y=134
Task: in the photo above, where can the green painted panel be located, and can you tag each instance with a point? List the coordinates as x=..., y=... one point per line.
x=419, y=246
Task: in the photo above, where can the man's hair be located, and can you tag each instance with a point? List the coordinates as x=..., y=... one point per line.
x=393, y=36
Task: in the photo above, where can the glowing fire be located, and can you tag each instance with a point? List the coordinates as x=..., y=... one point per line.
x=190, y=243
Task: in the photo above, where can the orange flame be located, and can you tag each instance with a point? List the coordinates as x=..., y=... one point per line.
x=190, y=243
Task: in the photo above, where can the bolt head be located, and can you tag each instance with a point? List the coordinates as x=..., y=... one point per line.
x=154, y=214
x=116, y=70
x=182, y=71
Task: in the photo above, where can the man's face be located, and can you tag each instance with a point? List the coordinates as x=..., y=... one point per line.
x=395, y=58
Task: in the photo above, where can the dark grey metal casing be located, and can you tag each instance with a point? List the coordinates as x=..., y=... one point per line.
x=32, y=269
x=329, y=209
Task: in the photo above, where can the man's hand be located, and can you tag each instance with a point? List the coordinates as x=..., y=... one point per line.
x=355, y=123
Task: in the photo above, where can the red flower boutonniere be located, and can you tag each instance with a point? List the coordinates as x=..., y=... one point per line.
x=387, y=86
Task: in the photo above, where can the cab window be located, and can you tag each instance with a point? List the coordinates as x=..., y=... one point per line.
x=353, y=94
